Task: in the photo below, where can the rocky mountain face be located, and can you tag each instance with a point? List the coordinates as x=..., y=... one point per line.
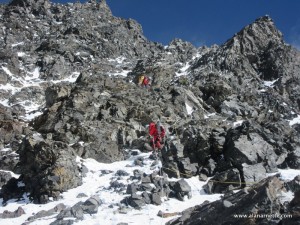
x=259, y=204
x=68, y=82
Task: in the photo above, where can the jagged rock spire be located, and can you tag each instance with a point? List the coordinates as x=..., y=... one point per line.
x=256, y=36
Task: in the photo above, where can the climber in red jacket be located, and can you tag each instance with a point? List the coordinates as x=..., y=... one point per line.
x=157, y=133
x=146, y=82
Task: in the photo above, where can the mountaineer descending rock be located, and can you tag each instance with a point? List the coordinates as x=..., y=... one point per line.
x=157, y=135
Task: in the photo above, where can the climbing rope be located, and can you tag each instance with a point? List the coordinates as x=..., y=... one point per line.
x=214, y=181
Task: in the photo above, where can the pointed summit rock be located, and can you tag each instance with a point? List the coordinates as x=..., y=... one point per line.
x=256, y=37
x=255, y=51
x=102, y=7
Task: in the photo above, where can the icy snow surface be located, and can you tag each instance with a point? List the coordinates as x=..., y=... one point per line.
x=270, y=83
x=95, y=183
x=184, y=70
x=295, y=121
x=32, y=79
x=189, y=109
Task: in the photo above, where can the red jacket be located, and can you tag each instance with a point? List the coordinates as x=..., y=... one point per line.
x=157, y=136
x=154, y=132
x=146, y=81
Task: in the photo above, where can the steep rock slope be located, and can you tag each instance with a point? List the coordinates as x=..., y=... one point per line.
x=51, y=42
x=260, y=204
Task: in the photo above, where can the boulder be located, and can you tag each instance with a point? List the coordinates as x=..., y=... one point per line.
x=135, y=201
x=17, y=213
x=45, y=213
x=243, y=146
x=91, y=205
x=55, y=168
x=224, y=182
x=4, y=177
x=181, y=189
x=253, y=173
x=13, y=189
x=156, y=199
x=187, y=169
x=252, y=202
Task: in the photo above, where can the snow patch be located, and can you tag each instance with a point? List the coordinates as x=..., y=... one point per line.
x=189, y=109
x=183, y=71
x=294, y=121
x=72, y=78
x=21, y=184
x=5, y=102
x=119, y=59
x=12, y=174
x=96, y=183
x=16, y=44
x=286, y=196
x=5, y=150
x=238, y=123
x=10, y=88
x=270, y=83
x=198, y=55
x=21, y=54
x=33, y=76
x=289, y=174
x=31, y=115
x=122, y=73
x=57, y=22
x=209, y=115
x=7, y=71
x=105, y=93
